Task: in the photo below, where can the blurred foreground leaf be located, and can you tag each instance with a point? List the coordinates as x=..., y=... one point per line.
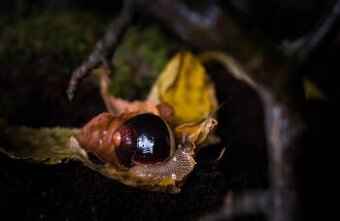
x=45, y=145
x=312, y=91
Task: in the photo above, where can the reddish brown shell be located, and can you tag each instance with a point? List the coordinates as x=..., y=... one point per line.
x=129, y=139
x=97, y=136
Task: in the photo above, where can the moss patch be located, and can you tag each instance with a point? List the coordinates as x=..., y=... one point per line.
x=62, y=38
x=139, y=59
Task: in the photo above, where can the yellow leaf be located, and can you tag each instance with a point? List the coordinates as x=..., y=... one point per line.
x=185, y=85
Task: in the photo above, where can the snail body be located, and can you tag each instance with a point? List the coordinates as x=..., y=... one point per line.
x=128, y=140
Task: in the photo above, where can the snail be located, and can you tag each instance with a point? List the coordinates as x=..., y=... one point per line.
x=141, y=149
x=128, y=140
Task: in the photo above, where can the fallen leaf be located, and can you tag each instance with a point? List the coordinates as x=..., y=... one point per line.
x=44, y=145
x=195, y=132
x=185, y=85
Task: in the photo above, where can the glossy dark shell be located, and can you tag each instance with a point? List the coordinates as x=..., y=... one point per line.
x=143, y=139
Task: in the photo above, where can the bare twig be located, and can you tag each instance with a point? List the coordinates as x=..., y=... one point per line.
x=104, y=47
x=219, y=31
x=229, y=64
x=285, y=130
x=313, y=39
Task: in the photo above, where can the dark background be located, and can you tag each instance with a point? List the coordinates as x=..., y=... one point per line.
x=73, y=192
